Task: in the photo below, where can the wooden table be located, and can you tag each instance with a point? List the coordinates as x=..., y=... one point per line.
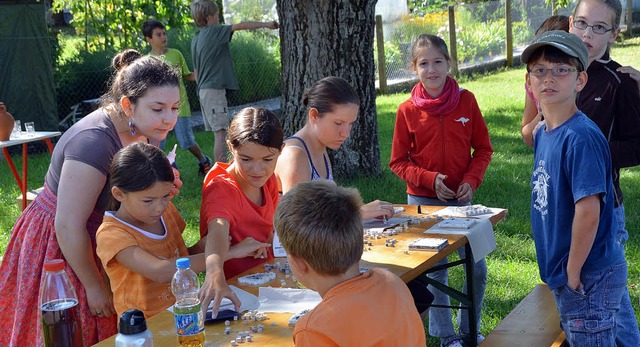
x=406, y=266
x=24, y=141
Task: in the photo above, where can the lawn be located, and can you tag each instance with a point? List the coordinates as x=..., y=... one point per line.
x=512, y=266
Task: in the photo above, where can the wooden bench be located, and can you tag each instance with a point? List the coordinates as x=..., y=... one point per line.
x=533, y=322
x=31, y=195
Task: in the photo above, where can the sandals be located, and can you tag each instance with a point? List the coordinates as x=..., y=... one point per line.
x=205, y=166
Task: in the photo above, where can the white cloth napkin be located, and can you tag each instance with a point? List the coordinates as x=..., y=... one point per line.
x=287, y=300
x=480, y=236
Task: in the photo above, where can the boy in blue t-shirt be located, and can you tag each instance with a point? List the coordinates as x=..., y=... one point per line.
x=572, y=201
x=213, y=65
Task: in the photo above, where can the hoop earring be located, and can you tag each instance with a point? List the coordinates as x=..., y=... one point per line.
x=132, y=128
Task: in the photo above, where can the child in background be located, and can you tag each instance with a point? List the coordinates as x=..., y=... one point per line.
x=610, y=99
x=532, y=116
x=572, y=203
x=323, y=240
x=139, y=242
x=212, y=61
x=154, y=32
x=441, y=149
x=238, y=201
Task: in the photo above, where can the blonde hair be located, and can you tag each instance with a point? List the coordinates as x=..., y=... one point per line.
x=201, y=9
x=320, y=223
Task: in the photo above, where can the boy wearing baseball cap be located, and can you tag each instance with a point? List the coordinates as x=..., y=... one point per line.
x=572, y=202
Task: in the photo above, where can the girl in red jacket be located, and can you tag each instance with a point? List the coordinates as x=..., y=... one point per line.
x=441, y=149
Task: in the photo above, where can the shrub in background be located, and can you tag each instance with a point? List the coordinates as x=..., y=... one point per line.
x=394, y=59
x=257, y=69
x=79, y=74
x=412, y=26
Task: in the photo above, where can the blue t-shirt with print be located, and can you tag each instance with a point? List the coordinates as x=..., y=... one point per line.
x=571, y=162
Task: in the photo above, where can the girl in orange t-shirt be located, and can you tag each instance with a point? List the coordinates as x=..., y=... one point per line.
x=239, y=200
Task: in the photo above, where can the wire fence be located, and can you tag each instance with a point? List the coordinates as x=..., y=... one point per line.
x=480, y=30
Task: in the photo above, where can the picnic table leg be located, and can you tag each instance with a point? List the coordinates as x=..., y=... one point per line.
x=49, y=145
x=473, y=324
x=12, y=167
x=14, y=171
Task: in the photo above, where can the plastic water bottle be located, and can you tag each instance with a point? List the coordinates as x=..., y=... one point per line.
x=187, y=311
x=133, y=330
x=59, y=308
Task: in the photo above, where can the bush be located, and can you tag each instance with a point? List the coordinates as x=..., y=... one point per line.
x=80, y=75
x=257, y=69
x=479, y=40
x=393, y=57
x=412, y=26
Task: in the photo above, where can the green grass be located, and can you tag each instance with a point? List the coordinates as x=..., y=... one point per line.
x=513, y=270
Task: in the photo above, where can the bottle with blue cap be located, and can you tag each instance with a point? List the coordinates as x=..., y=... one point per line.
x=133, y=331
x=187, y=310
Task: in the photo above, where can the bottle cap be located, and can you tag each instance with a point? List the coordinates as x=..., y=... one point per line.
x=132, y=322
x=54, y=265
x=183, y=263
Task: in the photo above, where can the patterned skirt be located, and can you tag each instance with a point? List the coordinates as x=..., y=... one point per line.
x=33, y=241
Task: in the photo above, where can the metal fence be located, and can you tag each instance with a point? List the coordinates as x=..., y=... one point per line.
x=480, y=28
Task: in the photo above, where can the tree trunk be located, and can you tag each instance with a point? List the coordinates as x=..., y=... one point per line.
x=320, y=38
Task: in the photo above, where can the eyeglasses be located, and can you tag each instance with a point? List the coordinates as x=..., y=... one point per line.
x=557, y=71
x=597, y=29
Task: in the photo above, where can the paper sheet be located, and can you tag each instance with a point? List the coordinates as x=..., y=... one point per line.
x=248, y=301
x=450, y=211
x=287, y=300
x=480, y=236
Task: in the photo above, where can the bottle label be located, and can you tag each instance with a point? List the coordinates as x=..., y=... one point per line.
x=189, y=323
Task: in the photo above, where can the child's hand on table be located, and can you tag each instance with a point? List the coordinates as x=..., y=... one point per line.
x=249, y=247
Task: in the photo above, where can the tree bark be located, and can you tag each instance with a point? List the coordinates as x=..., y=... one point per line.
x=320, y=38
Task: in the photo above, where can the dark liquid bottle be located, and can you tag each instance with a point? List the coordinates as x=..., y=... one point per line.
x=60, y=318
x=61, y=323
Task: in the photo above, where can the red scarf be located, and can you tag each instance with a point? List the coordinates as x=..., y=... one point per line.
x=445, y=102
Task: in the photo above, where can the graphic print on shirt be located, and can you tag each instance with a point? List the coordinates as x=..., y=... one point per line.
x=540, y=183
x=463, y=120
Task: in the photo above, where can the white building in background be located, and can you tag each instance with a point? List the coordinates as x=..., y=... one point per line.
x=392, y=10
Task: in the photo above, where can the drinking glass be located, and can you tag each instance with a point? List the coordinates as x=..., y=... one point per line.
x=30, y=128
x=17, y=128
